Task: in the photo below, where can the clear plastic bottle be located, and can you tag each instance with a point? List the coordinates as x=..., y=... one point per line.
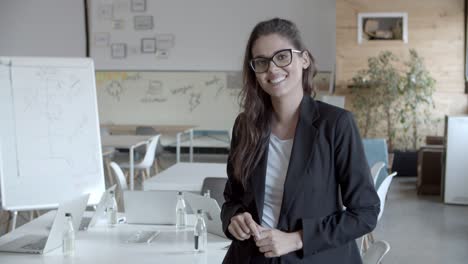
x=111, y=210
x=181, y=212
x=207, y=193
x=68, y=237
x=200, y=233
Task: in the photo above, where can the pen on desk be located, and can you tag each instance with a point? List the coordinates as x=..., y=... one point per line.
x=152, y=237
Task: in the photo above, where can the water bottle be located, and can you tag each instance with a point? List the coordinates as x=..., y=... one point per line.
x=181, y=213
x=111, y=210
x=68, y=237
x=200, y=232
x=207, y=193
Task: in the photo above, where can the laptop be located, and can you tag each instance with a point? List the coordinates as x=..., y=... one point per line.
x=150, y=207
x=88, y=222
x=40, y=240
x=211, y=211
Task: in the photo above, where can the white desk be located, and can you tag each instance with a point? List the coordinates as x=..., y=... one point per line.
x=178, y=130
x=129, y=142
x=185, y=176
x=101, y=244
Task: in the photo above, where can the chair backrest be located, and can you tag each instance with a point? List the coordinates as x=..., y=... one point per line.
x=375, y=170
x=376, y=150
x=148, y=130
x=376, y=252
x=148, y=159
x=216, y=187
x=119, y=176
x=382, y=192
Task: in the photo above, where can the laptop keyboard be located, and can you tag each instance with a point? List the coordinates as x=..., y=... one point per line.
x=143, y=237
x=38, y=245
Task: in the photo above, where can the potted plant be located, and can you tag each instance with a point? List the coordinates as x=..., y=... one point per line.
x=394, y=100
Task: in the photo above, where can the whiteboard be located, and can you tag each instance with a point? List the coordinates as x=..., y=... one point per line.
x=201, y=35
x=49, y=132
x=207, y=100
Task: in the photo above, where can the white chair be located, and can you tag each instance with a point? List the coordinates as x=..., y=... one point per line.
x=375, y=170
x=144, y=165
x=119, y=176
x=150, y=131
x=382, y=191
x=121, y=182
x=376, y=252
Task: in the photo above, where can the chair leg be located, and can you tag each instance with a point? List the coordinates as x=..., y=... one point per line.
x=148, y=173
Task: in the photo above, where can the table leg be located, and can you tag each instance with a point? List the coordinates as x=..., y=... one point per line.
x=131, y=167
x=191, y=145
x=178, y=148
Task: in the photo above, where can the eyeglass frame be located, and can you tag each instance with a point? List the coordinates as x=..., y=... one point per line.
x=270, y=59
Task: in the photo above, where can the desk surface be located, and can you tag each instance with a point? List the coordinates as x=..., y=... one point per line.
x=185, y=176
x=102, y=244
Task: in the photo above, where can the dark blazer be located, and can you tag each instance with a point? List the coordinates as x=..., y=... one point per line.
x=327, y=167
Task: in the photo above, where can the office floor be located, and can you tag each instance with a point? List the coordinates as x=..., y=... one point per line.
x=420, y=229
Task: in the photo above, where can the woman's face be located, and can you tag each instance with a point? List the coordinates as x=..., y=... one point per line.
x=279, y=81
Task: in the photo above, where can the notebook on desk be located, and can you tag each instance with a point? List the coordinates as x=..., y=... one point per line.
x=88, y=222
x=211, y=211
x=36, y=242
x=150, y=207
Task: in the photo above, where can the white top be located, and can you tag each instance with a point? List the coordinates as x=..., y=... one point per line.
x=279, y=153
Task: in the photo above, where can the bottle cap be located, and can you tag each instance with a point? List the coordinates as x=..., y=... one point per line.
x=199, y=211
x=179, y=193
x=67, y=214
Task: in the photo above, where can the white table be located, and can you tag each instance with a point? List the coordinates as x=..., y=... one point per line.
x=102, y=244
x=129, y=142
x=178, y=130
x=184, y=176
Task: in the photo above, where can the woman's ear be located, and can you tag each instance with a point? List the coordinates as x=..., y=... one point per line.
x=305, y=59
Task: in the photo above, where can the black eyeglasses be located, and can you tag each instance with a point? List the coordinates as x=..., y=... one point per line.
x=281, y=58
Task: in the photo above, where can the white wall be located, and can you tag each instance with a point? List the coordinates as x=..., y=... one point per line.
x=42, y=28
x=320, y=32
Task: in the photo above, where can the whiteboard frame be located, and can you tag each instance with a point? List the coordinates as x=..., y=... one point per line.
x=95, y=197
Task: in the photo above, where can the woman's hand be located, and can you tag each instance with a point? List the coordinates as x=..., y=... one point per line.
x=242, y=226
x=275, y=243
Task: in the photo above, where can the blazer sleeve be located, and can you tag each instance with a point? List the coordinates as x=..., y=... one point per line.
x=233, y=191
x=357, y=190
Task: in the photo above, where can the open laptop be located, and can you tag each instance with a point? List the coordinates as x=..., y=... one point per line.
x=211, y=211
x=29, y=239
x=88, y=222
x=150, y=207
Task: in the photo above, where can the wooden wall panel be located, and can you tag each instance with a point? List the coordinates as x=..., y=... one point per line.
x=435, y=30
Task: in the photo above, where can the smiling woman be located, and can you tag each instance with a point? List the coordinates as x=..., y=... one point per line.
x=293, y=163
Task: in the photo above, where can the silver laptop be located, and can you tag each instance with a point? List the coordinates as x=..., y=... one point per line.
x=150, y=207
x=88, y=222
x=41, y=240
x=211, y=211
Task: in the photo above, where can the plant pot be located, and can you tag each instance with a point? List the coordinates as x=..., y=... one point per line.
x=405, y=163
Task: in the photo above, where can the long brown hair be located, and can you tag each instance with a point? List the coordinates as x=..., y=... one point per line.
x=253, y=125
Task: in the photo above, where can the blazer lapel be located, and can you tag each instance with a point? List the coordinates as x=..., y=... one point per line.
x=304, y=140
x=257, y=181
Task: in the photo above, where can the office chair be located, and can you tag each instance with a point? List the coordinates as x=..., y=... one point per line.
x=376, y=252
x=148, y=130
x=144, y=165
x=121, y=181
